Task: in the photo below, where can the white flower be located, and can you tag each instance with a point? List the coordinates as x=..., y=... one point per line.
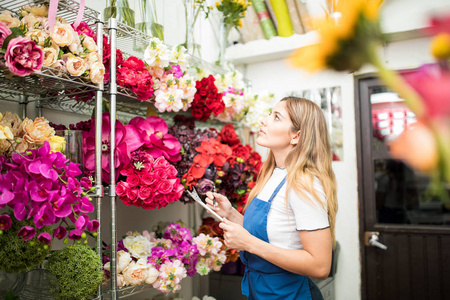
x=123, y=260
x=76, y=66
x=97, y=72
x=75, y=47
x=38, y=36
x=202, y=268
x=152, y=274
x=138, y=246
x=178, y=57
x=7, y=18
x=89, y=43
x=134, y=274
x=50, y=55
x=63, y=35
x=157, y=54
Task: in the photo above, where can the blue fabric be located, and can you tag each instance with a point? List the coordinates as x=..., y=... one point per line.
x=262, y=279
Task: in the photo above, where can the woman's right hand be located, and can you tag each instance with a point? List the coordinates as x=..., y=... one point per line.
x=223, y=206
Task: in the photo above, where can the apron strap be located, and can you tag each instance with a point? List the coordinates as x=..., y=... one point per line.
x=277, y=189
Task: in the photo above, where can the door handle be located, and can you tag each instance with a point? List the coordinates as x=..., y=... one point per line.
x=372, y=239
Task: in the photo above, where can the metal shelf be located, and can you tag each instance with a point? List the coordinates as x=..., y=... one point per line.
x=67, y=9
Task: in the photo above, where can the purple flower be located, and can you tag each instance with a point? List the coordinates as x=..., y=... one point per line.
x=5, y=222
x=23, y=57
x=20, y=211
x=154, y=133
x=27, y=233
x=93, y=226
x=176, y=71
x=45, y=216
x=60, y=233
x=5, y=196
x=45, y=238
x=86, y=183
x=204, y=185
x=82, y=222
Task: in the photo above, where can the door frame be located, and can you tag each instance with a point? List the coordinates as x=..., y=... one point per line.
x=366, y=213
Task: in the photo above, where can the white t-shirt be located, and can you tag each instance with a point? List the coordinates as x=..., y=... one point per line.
x=282, y=225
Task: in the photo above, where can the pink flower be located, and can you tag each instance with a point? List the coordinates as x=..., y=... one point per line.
x=84, y=28
x=23, y=57
x=4, y=32
x=121, y=188
x=27, y=233
x=154, y=133
x=45, y=238
x=144, y=192
x=433, y=85
x=149, y=179
x=165, y=186
x=128, y=139
x=133, y=180
x=60, y=232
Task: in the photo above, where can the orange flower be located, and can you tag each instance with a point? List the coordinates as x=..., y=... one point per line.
x=417, y=147
x=37, y=131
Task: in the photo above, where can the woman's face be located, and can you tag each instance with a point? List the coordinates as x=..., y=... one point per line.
x=275, y=132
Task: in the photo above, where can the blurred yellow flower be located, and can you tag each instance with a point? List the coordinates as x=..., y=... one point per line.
x=58, y=144
x=5, y=133
x=440, y=46
x=345, y=38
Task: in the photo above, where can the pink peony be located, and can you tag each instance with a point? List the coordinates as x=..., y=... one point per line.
x=23, y=57
x=84, y=28
x=4, y=32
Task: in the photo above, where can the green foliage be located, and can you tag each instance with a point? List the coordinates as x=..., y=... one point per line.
x=78, y=270
x=16, y=255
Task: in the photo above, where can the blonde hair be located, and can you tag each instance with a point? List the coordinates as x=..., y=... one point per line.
x=311, y=157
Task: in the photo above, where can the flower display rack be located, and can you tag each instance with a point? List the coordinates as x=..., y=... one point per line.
x=67, y=9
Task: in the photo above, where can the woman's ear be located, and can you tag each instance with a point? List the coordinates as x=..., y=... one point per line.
x=295, y=138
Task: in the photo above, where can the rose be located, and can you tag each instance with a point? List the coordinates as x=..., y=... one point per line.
x=76, y=66
x=7, y=18
x=50, y=56
x=135, y=273
x=241, y=151
x=144, y=192
x=37, y=131
x=121, y=188
x=123, y=260
x=138, y=246
x=97, y=72
x=38, y=36
x=23, y=57
x=165, y=186
x=228, y=135
x=92, y=58
x=204, y=185
x=4, y=32
x=89, y=43
x=63, y=35
x=148, y=179
x=58, y=143
x=75, y=47
x=133, y=180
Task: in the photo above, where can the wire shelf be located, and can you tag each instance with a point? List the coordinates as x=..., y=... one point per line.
x=67, y=9
x=47, y=83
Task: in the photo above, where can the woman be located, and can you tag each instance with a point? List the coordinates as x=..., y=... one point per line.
x=287, y=233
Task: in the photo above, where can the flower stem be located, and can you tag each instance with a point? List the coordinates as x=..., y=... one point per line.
x=397, y=83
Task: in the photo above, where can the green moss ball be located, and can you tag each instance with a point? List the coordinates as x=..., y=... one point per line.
x=16, y=255
x=78, y=270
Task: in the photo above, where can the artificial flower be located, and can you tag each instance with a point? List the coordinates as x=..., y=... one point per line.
x=41, y=10
x=23, y=57
x=89, y=43
x=138, y=247
x=83, y=28
x=50, y=56
x=37, y=131
x=207, y=99
x=156, y=54
x=345, y=42
x=7, y=18
x=5, y=133
x=123, y=260
x=4, y=32
x=63, y=35
x=5, y=222
x=27, y=233
x=228, y=135
x=97, y=72
x=57, y=143
x=76, y=66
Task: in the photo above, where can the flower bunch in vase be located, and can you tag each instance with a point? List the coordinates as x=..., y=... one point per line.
x=163, y=260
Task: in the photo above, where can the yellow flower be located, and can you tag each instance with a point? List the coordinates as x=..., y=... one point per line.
x=217, y=4
x=345, y=38
x=240, y=23
x=440, y=46
x=5, y=133
x=58, y=143
x=1, y=116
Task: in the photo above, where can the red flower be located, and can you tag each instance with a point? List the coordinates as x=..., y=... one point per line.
x=133, y=63
x=228, y=135
x=241, y=151
x=206, y=100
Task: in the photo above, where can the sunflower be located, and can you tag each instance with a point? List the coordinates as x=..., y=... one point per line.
x=345, y=38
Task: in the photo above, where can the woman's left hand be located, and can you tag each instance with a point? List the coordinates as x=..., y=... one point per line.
x=236, y=236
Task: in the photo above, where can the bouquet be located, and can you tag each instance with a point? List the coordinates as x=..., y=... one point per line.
x=164, y=259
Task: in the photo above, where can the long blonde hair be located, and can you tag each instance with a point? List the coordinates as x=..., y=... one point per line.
x=311, y=157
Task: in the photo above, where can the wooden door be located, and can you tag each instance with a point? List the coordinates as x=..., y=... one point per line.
x=395, y=208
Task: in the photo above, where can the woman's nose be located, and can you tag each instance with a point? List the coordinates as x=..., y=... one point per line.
x=263, y=121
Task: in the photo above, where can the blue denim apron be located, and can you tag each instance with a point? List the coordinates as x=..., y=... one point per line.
x=262, y=279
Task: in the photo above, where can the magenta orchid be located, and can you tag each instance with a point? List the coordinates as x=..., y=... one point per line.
x=42, y=186
x=5, y=222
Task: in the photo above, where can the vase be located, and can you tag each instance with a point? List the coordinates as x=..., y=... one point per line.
x=191, y=13
x=73, y=150
x=149, y=24
x=224, y=31
x=11, y=282
x=121, y=10
x=39, y=284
